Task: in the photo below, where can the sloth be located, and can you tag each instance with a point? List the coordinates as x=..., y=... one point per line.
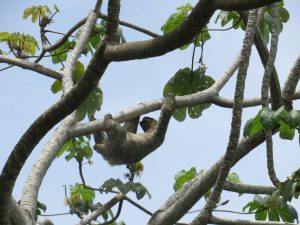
x=121, y=145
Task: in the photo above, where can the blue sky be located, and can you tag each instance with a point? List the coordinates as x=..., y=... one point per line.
x=25, y=95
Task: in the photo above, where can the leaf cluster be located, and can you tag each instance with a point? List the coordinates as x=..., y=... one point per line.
x=78, y=148
x=20, y=44
x=37, y=11
x=186, y=82
x=80, y=200
x=139, y=189
x=272, y=206
x=265, y=25
x=267, y=119
x=177, y=18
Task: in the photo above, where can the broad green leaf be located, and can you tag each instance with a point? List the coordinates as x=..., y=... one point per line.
x=110, y=184
x=284, y=215
x=187, y=82
x=78, y=72
x=36, y=11
x=233, y=177
x=183, y=176
x=267, y=118
x=60, y=54
x=226, y=17
x=64, y=148
x=285, y=131
x=285, y=190
x=91, y=104
x=284, y=14
x=196, y=111
x=176, y=18
x=261, y=215
x=21, y=44
x=273, y=215
x=56, y=87
x=281, y=113
x=252, y=126
x=139, y=189
x=180, y=114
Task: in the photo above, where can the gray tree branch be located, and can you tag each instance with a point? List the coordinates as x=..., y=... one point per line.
x=22, y=63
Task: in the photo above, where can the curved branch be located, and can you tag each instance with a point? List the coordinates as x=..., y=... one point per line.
x=265, y=90
x=249, y=189
x=225, y=221
x=34, y=180
x=192, y=26
x=45, y=122
x=264, y=54
x=233, y=5
x=203, y=217
x=290, y=85
x=187, y=196
x=101, y=209
x=31, y=66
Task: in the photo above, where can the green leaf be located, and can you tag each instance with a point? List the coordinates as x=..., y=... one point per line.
x=196, y=111
x=284, y=14
x=56, y=87
x=64, y=148
x=267, y=118
x=60, y=54
x=78, y=72
x=139, y=189
x=233, y=177
x=285, y=190
x=285, y=131
x=176, y=18
x=252, y=126
x=284, y=215
x=187, y=82
x=55, y=7
x=273, y=215
x=281, y=113
x=110, y=184
x=36, y=11
x=180, y=114
x=91, y=104
x=226, y=17
x=184, y=176
x=261, y=215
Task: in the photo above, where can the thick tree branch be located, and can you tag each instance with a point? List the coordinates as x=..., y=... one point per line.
x=247, y=189
x=264, y=54
x=31, y=66
x=233, y=5
x=203, y=217
x=184, y=199
x=265, y=92
x=192, y=26
x=290, y=85
x=225, y=221
x=44, y=123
